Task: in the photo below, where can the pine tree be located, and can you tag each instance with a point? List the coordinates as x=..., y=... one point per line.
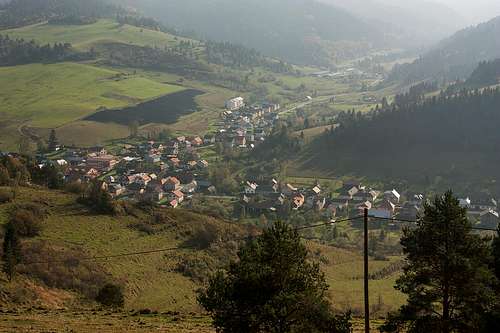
x=272, y=288
x=11, y=251
x=447, y=278
x=53, y=141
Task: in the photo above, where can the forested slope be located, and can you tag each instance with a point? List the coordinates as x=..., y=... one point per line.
x=451, y=137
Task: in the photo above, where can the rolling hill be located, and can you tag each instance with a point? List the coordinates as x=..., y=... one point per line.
x=454, y=57
x=163, y=281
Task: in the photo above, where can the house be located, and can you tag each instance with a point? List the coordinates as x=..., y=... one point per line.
x=235, y=103
x=178, y=195
x=154, y=191
x=174, y=162
x=172, y=184
x=101, y=162
x=190, y=188
x=116, y=190
x=240, y=141
x=250, y=188
x=196, y=141
x=139, y=178
x=298, y=201
x=393, y=196
x=191, y=164
x=203, y=164
x=173, y=203
x=316, y=190
x=385, y=210
x=464, y=203
x=489, y=219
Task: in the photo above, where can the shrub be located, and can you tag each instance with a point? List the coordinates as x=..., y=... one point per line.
x=6, y=196
x=69, y=273
x=26, y=223
x=75, y=187
x=111, y=295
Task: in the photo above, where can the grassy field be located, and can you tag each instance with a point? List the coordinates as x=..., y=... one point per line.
x=83, y=37
x=85, y=321
x=151, y=281
x=52, y=95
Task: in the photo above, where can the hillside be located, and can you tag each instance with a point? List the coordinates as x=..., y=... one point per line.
x=160, y=281
x=439, y=143
x=300, y=31
x=419, y=22
x=454, y=57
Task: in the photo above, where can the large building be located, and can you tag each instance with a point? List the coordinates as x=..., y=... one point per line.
x=235, y=103
x=102, y=162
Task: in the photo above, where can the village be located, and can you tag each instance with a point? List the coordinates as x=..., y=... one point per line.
x=170, y=172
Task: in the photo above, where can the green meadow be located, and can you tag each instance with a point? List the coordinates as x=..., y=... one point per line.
x=85, y=36
x=54, y=94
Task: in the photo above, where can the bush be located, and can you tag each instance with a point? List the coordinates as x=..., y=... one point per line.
x=111, y=295
x=26, y=223
x=75, y=187
x=69, y=273
x=6, y=196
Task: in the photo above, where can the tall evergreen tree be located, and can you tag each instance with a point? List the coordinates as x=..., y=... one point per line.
x=272, y=288
x=11, y=251
x=53, y=141
x=447, y=278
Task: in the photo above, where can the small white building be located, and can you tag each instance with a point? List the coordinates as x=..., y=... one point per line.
x=235, y=103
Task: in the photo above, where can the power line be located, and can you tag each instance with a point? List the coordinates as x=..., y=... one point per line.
x=176, y=248
x=416, y=221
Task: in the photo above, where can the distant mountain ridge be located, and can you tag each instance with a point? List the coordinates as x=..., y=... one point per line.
x=421, y=22
x=297, y=30
x=454, y=57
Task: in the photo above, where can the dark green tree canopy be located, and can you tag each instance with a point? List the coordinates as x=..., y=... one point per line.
x=447, y=277
x=272, y=288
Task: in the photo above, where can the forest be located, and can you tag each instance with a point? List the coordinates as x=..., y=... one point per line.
x=19, y=52
x=446, y=136
x=455, y=57
x=238, y=56
x=18, y=13
x=487, y=73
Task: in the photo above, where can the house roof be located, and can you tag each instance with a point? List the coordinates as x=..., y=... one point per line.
x=178, y=194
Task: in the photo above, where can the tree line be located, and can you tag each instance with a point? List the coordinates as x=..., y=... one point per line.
x=450, y=136
x=238, y=56
x=19, y=51
x=18, y=13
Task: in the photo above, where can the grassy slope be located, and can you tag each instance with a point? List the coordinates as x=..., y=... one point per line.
x=85, y=36
x=152, y=282
x=51, y=95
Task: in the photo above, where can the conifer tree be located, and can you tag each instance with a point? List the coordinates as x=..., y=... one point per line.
x=447, y=279
x=11, y=251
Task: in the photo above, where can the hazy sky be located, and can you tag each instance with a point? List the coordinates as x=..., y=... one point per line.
x=474, y=10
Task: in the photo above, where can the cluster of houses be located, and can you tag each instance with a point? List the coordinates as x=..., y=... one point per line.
x=244, y=126
x=351, y=200
x=166, y=173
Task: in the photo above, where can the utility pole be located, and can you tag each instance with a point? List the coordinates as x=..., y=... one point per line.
x=367, y=298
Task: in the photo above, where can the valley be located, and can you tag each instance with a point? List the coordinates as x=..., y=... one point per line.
x=158, y=159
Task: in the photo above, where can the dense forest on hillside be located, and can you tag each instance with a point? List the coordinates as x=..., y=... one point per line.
x=18, y=13
x=238, y=56
x=487, y=73
x=19, y=52
x=294, y=30
x=455, y=57
x=450, y=136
